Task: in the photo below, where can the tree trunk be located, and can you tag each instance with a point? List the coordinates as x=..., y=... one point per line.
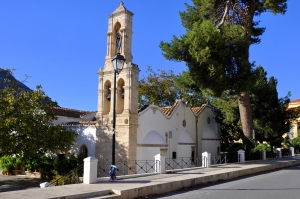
x=246, y=115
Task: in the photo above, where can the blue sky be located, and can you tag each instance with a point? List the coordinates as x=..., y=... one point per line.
x=61, y=45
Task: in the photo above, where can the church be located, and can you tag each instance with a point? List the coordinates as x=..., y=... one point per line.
x=176, y=131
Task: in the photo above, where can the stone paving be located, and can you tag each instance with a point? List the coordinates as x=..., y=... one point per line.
x=19, y=182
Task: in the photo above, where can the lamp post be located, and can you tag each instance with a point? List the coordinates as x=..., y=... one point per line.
x=118, y=62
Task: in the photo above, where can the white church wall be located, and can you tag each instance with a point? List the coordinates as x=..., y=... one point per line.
x=151, y=119
x=209, y=136
x=86, y=136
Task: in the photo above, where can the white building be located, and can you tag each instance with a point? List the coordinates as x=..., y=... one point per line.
x=176, y=131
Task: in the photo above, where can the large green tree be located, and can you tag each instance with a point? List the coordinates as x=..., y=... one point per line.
x=216, y=46
x=271, y=115
x=163, y=87
x=26, y=120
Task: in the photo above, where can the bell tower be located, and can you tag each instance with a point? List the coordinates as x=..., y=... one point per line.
x=119, y=23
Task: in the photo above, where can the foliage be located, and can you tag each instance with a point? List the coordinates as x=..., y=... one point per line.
x=271, y=117
x=216, y=47
x=7, y=163
x=26, y=121
x=270, y=114
x=292, y=142
x=261, y=147
x=163, y=88
x=68, y=164
x=59, y=180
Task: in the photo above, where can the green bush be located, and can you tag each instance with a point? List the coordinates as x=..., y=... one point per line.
x=7, y=163
x=66, y=165
x=261, y=147
x=63, y=180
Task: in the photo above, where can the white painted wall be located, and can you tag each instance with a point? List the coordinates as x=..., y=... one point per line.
x=152, y=119
x=209, y=133
x=86, y=136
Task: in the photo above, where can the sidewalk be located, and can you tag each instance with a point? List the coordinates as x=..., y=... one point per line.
x=154, y=184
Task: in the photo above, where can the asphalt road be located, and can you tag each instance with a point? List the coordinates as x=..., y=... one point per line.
x=281, y=184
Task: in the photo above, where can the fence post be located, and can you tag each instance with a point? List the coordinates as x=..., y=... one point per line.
x=292, y=151
x=241, y=156
x=263, y=154
x=206, y=159
x=279, y=155
x=160, y=163
x=90, y=170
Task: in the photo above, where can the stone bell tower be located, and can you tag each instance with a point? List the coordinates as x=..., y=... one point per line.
x=119, y=22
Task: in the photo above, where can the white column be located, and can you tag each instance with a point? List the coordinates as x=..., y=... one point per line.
x=90, y=170
x=279, y=155
x=160, y=163
x=263, y=154
x=206, y=158
x=292, y=151
x=241, y=156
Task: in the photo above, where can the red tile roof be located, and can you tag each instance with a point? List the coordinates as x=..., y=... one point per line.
x=169, y=109
x=69, y=112
x=197, y=110
x=295, y=101
x=82, y=123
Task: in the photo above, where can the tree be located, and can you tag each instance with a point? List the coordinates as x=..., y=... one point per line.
x=163, y=88
x=216, y=46
x=26, y=121
x=271, y=115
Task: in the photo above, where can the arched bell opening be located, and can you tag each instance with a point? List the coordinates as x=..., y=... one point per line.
x=107, y=97
x=120, y=96
x=116, y=31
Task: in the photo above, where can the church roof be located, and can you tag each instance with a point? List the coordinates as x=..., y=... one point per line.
x=69, y=112
x=82, y=123
x=120, y=8
x=197, y=110
x=169, y=109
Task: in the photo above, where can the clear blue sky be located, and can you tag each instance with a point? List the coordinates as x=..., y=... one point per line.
x=62, y=44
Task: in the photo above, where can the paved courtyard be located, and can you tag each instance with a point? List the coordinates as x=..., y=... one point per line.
x=14, y=183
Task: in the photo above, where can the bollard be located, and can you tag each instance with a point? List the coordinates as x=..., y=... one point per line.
x=160, y=163
x=241, y=156
x=292, y=151
x=263, y=154
x=279, y=155
x=90, y=170
x=206, y=157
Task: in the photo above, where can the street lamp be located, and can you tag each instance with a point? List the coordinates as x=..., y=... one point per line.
x=118, y=62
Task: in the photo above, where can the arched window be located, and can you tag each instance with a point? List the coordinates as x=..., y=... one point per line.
x=120, y=96
x=83, y=151
x=107, y=97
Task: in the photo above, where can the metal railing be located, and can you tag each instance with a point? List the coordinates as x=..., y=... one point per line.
x=75, y=176
x=182, y=163
x=219, y=159
x=128, y=167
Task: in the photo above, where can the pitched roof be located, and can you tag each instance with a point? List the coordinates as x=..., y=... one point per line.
x=295, y=101
x=169, y=109
x=82, y=123
x=197, y=110
x=69, y=112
